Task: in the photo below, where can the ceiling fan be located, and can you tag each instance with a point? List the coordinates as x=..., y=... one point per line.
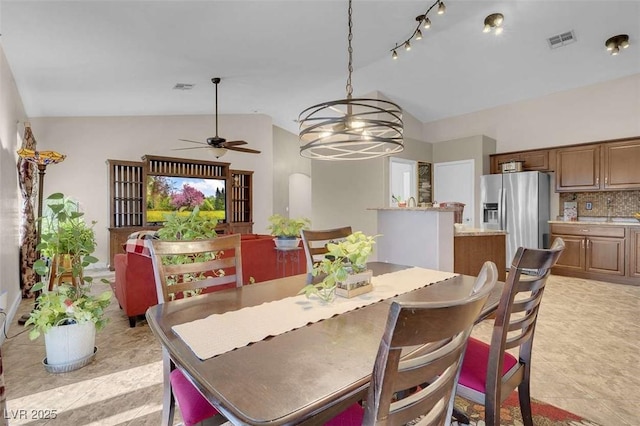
x=219, y=145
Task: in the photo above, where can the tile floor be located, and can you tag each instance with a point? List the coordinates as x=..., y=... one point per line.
x=586, y=360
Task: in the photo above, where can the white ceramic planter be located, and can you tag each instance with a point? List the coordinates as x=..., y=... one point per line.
x=287, y=243
x=68, y=343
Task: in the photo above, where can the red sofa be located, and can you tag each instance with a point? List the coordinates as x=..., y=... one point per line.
x=135, y=285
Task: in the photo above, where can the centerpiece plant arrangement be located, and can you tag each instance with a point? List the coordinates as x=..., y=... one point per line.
x=343, y=269
x=67, y=244
x=287, y=230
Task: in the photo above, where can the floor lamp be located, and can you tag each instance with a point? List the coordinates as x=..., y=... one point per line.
x=41, y=159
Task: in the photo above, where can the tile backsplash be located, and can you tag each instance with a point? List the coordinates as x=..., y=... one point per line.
x=622, y=204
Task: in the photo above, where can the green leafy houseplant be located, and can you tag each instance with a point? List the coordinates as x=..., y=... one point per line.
x=68, y=243
x=345, y=257
x=284, y=227
x=190, y=227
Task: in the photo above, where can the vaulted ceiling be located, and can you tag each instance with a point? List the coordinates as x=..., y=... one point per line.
x=94, y=58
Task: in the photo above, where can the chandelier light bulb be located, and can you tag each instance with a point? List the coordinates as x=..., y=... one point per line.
x=407, y=45
x=441, y=8
x=615, y=51
x=498, y=30
x=624, y=44
x=418, y=35
x=487, y=28
x=427, y=23
x=394, y=55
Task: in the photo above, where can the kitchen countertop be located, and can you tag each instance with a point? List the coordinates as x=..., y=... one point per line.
x=422, y=209
x=477, y=232
x=591, y=221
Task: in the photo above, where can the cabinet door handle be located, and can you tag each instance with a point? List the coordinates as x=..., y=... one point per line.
x=606, y=180
x=582, y=244
x=587, y=244
x=597, y=181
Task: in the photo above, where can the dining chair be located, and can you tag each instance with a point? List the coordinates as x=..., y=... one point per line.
x=315, y=242
x=489, y=373
x=419, y=359
x=183, y=268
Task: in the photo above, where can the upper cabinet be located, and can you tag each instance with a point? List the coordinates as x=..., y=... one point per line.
x=608, y=166
x=621, y=165
x=537, y=160
x=578, y=168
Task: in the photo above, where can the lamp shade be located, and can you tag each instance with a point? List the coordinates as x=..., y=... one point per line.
x=41, y=158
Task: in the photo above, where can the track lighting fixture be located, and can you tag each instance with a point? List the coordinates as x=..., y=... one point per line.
x=424, y=22
x=614, y=43
x=493, y=22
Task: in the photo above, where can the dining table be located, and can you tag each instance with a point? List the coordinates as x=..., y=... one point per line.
x=303, y=376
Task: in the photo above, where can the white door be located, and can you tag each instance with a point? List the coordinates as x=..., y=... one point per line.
x=453, y=182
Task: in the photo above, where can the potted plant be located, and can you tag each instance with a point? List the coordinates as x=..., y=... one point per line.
x=68, y=314
x=287, y=230
x=344, y=268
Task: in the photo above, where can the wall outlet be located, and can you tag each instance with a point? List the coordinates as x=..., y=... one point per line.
x=588, y=205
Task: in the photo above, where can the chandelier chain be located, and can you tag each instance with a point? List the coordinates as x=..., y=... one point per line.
x=350, y=49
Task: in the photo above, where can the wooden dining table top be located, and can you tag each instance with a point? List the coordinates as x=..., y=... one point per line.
x=304, y=376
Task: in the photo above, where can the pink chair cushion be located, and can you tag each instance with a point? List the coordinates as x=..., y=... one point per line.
x=474, y=366
x=352, y=416
x=193, y=406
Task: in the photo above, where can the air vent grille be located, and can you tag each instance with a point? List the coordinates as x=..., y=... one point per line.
x=561, y=39
x=183, y=86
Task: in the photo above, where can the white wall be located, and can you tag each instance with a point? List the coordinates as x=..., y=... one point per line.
x=602, y=111
x=11, y=112
x=89, y=141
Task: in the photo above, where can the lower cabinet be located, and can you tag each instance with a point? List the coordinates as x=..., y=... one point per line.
x=470, y=251
x=634, y=244
x=598, y=252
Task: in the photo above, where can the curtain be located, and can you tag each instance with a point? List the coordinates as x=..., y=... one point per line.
x=27, y=173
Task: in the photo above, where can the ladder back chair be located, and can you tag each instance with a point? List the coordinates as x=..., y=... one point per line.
x=315, y=242
x=489, y=373
x=419, y=360
x=180, y=268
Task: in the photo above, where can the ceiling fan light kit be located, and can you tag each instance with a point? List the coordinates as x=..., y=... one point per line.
x=217, y=145
x=351, y=128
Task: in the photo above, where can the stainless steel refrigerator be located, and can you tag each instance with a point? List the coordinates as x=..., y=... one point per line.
x=519, y=204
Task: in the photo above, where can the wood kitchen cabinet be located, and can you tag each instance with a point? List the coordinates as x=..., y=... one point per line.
x=608, y=166
x=634, y=249
x=621, y=165
x=597, y=252
x=537, y=160
x=471, y=249
x=578, y=168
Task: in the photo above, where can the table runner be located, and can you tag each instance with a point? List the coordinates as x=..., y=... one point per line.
x=220, y=333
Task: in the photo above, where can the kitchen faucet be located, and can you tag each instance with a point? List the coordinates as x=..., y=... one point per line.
x=409, y=202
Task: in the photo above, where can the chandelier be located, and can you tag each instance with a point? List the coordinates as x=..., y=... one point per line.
x=351, y=128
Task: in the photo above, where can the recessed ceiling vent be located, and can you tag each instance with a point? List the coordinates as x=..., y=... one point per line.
x=183, y=86
x=561, y=39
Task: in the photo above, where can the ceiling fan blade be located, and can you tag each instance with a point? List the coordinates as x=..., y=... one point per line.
x=187, y=140
x=234, y=143
x=191, y=147
x=237, y=148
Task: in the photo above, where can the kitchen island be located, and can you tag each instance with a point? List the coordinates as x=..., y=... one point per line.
x=472, y=247
x=416, y=236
